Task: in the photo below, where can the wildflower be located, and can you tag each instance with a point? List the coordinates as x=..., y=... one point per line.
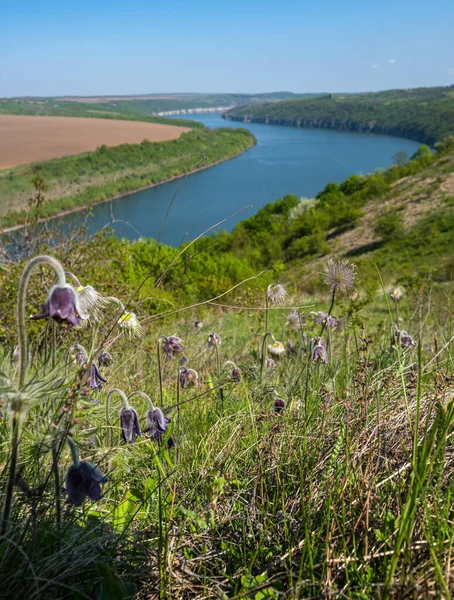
x=236, y=375
x=157, y=424
x=130, y=323
x=406, y=341
x=213, y=340
x=276, y=349
x=198, y=324
x=396, y=294
x=81, y=357
x=276, y=293
x=105, y=359
x=129, y=423
x=83, y=479
x=340, y=275
x=293, y=320
x=188, y=377
x=91, y=302
x=323, y=318
x=279, y=405
x=96, y=380
x=319, y=352
x=172, y=344
x=270, y=364
x=62, y=305
x=291, y=350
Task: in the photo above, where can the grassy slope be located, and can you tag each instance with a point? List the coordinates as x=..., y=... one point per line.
x=83, y=179
x=424, y=114
x=347, y=492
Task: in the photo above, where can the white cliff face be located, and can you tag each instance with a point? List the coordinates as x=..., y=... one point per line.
x=192, y=111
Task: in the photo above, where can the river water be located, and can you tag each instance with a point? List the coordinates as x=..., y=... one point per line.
x=286, y=160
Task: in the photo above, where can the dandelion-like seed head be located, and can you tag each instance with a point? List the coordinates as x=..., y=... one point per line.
x=277, y=349
x=91, y=303
x=396, y=294
x=340, y=275
x=294, y=320
x=276, y=293
x=129, y=323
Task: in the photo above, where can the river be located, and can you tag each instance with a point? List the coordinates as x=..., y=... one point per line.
x=286, y=160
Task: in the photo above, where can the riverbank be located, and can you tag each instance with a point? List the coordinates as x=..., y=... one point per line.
x=81, y=181
x=425, y=115
x=122, y=195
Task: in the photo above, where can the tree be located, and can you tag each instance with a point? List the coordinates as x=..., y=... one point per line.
x=400, y=157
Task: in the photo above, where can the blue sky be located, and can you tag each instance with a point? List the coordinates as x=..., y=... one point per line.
x=97, y=47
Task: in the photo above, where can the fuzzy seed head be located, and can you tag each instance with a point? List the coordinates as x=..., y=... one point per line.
x=340, y=275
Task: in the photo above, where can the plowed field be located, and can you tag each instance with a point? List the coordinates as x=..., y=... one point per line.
x=25, y=139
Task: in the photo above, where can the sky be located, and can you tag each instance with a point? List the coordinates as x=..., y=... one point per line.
x=55, y=48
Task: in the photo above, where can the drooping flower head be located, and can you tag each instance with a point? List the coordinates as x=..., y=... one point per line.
x=91, y=302
x=276, y=293
x=319, y=352
x=236, y=375
x=129, y=423
x=276, y=349
x=396, y=294
x=105, y=359
x=129, y=323
x=97, y=379
x=171, y=345
x=340, y=275
x=213, y=340
x=188, y=377
x=157, y=424
x=198, y=324
x=62, y=305
x=83, y=480
x=406, y=341
x=323, y=318
x=279, y=405
x=294, y=320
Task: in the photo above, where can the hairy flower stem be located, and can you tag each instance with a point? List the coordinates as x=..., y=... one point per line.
x=74, y=452
x=329, y=312
x=57, y=486
x=108, y=425
x=21, y=299
x=178, y=411
x=397, y=312
x=218, y=372
x=23, y=356
x=53, y=345
x=263, y=355
x=162, y=337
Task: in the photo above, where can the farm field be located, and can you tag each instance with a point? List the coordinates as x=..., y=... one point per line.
x=26, y=139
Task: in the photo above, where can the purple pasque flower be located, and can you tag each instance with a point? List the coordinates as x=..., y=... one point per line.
x=62, y=305
x=81, y=358
x=270, y=364
x=406, y=341
x=323, y=318
x=279, y=405
x=171, y=345
x=213, y=340
x=157, y=424
x=105, y=359
x=96, y=379
x=236, y=375
x=129, y=423
x=319, y=352
x=188, y=377
x=83, y=480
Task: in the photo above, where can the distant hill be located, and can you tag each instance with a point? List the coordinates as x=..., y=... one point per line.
x=422, y=114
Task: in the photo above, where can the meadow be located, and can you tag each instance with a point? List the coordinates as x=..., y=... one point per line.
x=262, y=414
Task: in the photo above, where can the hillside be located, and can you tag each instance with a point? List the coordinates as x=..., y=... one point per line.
x=266, y=423
x=422, y=114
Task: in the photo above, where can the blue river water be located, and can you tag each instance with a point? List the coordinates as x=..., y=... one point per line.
x=286, y=160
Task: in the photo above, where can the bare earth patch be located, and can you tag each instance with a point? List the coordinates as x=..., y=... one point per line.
x=26, y=139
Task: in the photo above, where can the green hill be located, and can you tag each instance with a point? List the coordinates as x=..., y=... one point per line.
x=422, y=114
